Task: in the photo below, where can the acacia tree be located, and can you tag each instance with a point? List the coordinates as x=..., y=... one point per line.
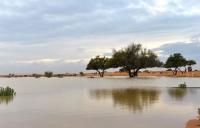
x=175, y=61
x=147, y=59
x=133, y=58
x=100, y=64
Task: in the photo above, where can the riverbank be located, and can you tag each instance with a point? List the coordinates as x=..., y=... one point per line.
x=151, y=73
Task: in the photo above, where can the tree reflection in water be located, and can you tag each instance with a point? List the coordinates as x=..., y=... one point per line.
x=135, y=99
x=6, y=99
x=180, y=93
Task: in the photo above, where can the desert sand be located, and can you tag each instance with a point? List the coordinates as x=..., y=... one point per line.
x=151, y=73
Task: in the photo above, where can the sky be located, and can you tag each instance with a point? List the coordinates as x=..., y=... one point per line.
x=63, y=35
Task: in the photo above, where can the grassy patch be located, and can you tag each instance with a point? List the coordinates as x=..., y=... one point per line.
x=7, y=91
x=182, y=85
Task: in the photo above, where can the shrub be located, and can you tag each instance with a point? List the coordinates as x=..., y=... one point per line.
x=48, y=74
x=7, y=91
x=147, y=71
x=81, y=74
x=37, y=75
x=182, y=85
x=161, y=72
x=59, y=76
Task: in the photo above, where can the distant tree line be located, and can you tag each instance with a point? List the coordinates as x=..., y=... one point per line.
x=135, y=57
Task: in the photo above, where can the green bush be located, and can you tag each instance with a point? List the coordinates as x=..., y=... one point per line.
x=7, y=91
x=37, y=75
x=48, y=74
x=59, y=76
x=81, y=74
x=182, y=85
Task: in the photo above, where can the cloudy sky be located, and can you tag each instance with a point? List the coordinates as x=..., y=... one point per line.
x=62, y=35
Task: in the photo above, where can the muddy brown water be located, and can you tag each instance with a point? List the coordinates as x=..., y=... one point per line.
x=81, y=102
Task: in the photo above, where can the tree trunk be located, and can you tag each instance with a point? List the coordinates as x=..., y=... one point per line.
x=136, y=72
x=130, y=74
x=180, y=70
x=101, y=74
x=172, y=71
x=185, y=70
x=175, y=71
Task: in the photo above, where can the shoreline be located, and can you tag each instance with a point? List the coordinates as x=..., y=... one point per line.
x=151, y=73
x=95, y=74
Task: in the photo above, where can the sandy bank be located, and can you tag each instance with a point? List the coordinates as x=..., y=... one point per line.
x=152, y=73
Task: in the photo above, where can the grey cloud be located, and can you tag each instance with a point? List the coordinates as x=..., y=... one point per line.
x=189, y=50
x=35, y=20
x=55, y=67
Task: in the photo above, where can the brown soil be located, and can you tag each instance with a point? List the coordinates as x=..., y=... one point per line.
x=193, y=123
x=152, y=73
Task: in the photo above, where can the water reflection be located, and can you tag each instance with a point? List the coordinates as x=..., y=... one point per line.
x=135, y=99
x=179, y=93
x=6, y=99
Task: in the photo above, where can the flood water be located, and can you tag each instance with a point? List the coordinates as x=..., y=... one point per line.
x=110, y=102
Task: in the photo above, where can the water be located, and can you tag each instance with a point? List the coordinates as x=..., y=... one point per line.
x=81, y=102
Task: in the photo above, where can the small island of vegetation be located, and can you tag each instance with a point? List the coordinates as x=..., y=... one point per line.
x=7, y=91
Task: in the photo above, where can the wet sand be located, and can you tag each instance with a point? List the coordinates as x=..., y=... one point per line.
x=152, y=73
x=193, y=123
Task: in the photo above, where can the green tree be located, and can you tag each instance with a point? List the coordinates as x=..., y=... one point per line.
x=147, y=59
x=175, y=61
x=48, y=74
x=100, y=64
x=191, y=62
x=133, y=58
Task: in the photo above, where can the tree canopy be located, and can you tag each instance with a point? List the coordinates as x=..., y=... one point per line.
x=133, y=58
x=100, y=64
